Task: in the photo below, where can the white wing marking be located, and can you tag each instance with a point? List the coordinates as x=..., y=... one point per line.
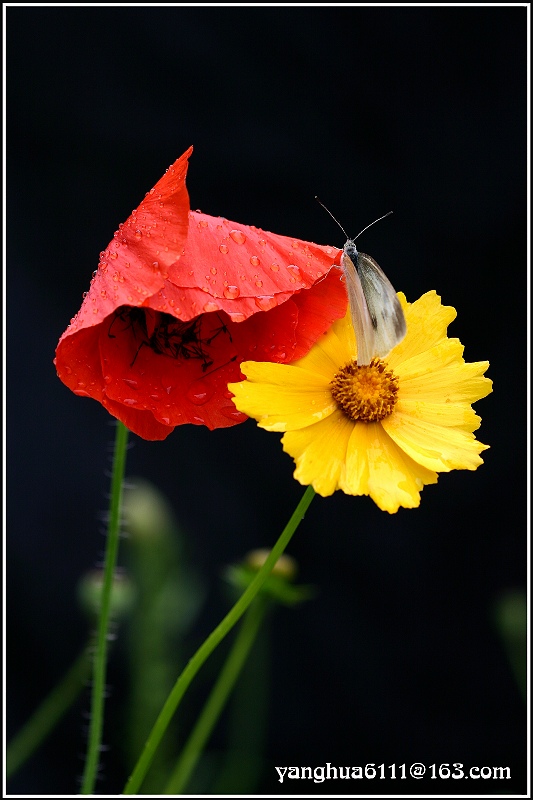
x=377, y=315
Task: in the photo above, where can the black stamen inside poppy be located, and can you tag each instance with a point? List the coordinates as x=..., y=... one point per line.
x=170, y=336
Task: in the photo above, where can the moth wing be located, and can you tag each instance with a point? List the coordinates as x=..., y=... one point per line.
x=361, y=319
x=386, y=314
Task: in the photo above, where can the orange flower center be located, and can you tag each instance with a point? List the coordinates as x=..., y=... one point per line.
x=367, y=393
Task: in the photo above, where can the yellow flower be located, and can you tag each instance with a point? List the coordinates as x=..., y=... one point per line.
x=383, y=430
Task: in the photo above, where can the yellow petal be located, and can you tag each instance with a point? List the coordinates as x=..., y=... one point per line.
x=454, y=383
x=320, y=359
x=334, y=349
x=450, y=415
x=436, y=357
x=427, y=321
x=434, y=446
x=376, y=466
x=354, y=478
x=319, y=452
x=281, y=375
x=343, y=329
x=293, y=398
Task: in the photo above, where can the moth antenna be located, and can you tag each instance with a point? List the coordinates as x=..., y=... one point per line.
x=369, y=226
x=340, y=226
x=335, y=218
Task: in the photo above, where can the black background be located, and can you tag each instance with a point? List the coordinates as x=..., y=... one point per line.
x=419, y=110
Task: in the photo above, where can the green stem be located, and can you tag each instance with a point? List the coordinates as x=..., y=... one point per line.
x=46, y=717
x=218, y=697
x=100, y=657
x=205, y=650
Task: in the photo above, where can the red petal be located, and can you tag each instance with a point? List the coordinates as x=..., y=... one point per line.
x=135, y=264
x=187, y=303
x=152, y=386
x=318, y=308
x=173, y=387
x=78, y=365
x=238, y=269
x=141, y=423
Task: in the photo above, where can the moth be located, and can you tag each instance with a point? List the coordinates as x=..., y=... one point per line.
x=377, y=315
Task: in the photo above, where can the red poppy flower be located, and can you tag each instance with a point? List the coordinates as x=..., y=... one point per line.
x=180, y=299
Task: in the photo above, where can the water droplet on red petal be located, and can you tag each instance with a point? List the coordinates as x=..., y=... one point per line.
x=238, y=237
x=230, y=412
x=265, y=302
x=294, y=270
x=211, y=307
x=231, y=292
x=200, y=392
